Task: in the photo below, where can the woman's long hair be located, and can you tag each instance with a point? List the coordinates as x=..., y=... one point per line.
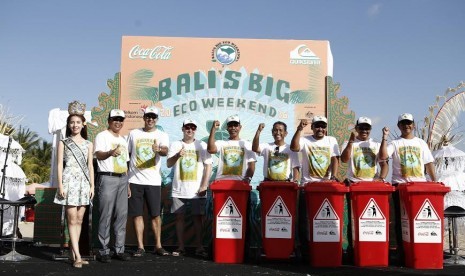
x=83, y=130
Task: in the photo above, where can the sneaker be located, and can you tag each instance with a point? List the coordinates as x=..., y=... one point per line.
x=104, y=258
x=122, y=257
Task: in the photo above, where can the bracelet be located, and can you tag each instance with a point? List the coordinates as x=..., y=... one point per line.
x=350, y=142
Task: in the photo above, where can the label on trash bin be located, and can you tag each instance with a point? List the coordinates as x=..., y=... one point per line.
x=278, y=221
x=229, y=221
x=427, y=227
x=326, y=224
x=405, y=223
x=372, y=223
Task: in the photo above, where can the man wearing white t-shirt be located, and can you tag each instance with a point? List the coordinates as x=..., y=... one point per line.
x=236, y=160
x=111, y=151
x=146, y=147
x=410, y=158
x=280, y=162
x=361, y=154
x=192, y=169
x=320, y=153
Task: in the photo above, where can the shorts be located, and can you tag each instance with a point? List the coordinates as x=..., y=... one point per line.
x=197, y=205
x=152, y=196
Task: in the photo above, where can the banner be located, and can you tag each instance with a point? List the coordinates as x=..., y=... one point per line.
x=206, y=79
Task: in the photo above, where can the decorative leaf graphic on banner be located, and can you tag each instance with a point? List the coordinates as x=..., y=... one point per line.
x=139, y=88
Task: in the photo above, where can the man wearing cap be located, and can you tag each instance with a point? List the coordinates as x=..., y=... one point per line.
x=146, y=147
x=237, y=160
x=192, y=169
x=410, y=158
x=361, y=154
x=280, y=162
x=111, y=151
x=320, y=153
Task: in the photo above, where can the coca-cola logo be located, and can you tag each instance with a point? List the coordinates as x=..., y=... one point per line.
x=157, y=52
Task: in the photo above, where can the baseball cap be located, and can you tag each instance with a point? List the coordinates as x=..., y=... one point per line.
x=151, y=109
x=405, y=116
x=317, y=119
x=363, y=120
x=233, y=118
x=116, y=113
x=189, y=122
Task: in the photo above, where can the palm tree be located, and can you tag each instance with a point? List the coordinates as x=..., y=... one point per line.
x=27, y=138
x=38, y=155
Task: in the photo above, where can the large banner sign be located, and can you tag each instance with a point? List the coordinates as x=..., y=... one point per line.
x=206, y=79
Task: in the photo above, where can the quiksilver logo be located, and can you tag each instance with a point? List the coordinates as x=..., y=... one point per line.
x=303, y=55
x=158, y=52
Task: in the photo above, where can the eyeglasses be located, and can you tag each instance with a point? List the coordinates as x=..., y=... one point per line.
x=320, y=126
x=117, y=119
x=192, y=127
x=276, y=150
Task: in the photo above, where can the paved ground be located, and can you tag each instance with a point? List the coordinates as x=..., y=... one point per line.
x=42, y=263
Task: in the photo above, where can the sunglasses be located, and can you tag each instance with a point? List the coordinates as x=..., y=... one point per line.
x=406, y=122
x=151, y=116
x=276, y=150
x=320, y=126
x=364, y=128
x=192, y=127
x=234, y=124
x=117, y=119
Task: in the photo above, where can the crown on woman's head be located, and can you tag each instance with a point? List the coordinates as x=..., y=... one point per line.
x=76, y=108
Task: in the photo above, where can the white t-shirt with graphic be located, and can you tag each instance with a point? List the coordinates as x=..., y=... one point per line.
x=145, y=165
x=316, y=157
x=278, y=164
x=409, y=157
x=363, y=160
x=188, y=170
x=233, y=159
x=104, y=142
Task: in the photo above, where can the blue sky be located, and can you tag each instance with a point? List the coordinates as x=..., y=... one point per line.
x=390, y=57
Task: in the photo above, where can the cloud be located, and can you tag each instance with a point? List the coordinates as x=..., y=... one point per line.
x=374, y=10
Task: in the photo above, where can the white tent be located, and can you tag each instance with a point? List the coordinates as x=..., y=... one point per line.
x=450, y=169
x=57, y=127
x=15, y=179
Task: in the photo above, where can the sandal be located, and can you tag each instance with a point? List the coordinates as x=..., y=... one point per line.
x=162, y=252
x=140, y=252
x=200, y=252
x=84, y=262
x=77, y=264
x=178, y=252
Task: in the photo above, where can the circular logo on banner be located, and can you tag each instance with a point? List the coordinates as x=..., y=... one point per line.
x=225, y=53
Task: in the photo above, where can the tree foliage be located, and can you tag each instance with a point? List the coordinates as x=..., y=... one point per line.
x=37, y=157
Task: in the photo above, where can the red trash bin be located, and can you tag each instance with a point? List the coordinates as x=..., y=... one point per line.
x=278, y=203
x=325, y=207
x=422, y=215
x=370, y=222
x=230, y=212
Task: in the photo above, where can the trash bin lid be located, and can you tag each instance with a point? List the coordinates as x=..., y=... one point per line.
x=278, y=184
x=424, y=187
x=372, y=186
x=234, y=185
x=326, y=186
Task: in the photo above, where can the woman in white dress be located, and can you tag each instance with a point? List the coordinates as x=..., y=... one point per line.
x=75, y=177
